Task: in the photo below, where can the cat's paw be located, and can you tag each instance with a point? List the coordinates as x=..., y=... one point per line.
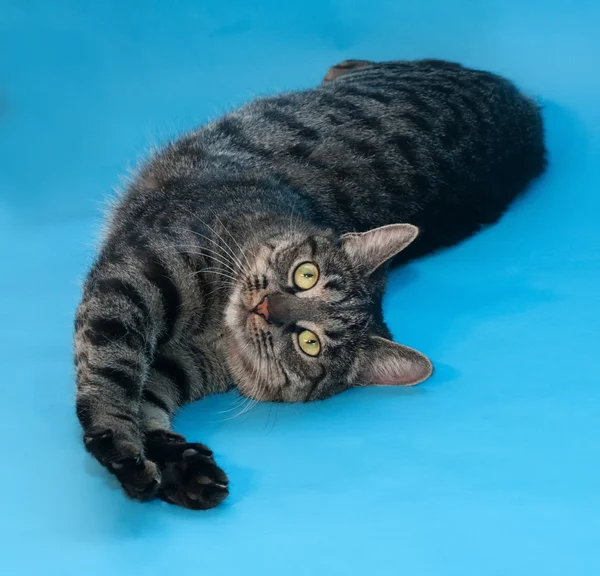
x=195, y=481
x=139, y=477
x=190, y=476
x=344, y=67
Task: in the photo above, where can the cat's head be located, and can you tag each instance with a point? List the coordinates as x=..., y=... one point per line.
x=304, y=319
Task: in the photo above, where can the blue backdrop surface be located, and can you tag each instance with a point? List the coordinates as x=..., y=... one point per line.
x=490, y=468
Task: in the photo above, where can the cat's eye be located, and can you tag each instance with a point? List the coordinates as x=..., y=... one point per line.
x=309, y=343
x=306, y=275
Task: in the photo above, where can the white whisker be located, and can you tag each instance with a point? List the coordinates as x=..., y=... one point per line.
x=214, y=271
x=212, y=241
x=233, y=238
x=229, y=248
x=193, y=250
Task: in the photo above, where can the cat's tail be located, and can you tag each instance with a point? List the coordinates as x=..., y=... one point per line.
x=345, y=67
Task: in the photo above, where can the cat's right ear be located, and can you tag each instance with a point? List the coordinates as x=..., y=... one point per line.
x=386, y=363
x=371, y=249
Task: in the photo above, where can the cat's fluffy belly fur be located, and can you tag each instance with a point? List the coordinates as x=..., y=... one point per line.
x=253, y=253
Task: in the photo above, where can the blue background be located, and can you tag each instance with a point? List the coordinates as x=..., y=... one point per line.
x=490, y=468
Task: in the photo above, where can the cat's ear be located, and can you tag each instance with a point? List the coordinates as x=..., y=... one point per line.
x=386, y=363
x=373, y=248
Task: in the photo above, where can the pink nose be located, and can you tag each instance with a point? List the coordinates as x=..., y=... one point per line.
x=263, y=308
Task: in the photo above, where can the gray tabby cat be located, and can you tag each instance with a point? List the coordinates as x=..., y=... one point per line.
x=253, y=253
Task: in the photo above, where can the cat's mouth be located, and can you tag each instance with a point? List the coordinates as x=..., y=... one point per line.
x=256, y=322
x=252, y=358
x=246, y=316
x=262, y=309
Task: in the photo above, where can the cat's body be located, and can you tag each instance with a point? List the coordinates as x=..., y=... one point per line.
x=197, y=286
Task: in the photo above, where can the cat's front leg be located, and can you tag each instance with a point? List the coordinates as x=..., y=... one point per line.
x=130, y=302
x=189, y=475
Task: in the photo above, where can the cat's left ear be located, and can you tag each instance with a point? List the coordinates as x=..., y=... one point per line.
x=386, y=363
x=373, y=248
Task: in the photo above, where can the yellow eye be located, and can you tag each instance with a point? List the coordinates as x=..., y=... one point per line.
x=309, y=343
x=306, y=276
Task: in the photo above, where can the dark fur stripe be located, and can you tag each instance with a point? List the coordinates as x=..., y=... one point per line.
x=412, y=96
x=106, y=331
x=234, y=130
x=419, y=121
x=333, y=284
x=334, y=334
x=451, y=134
x=122, y=287
x=128, y=383
x=123, y=417
x=343, y=199
x=174, y=372
x=301, y=151
x=292, y=123
x=240, y=182
x=315, y=385
x=441, y=90
x=131, y=364
x=363, y=147
x=354, y=111
x=231, y=127
x=152, y=398
x=406, y=147
x=371, y=94
x=158, y=275
x=334, y=119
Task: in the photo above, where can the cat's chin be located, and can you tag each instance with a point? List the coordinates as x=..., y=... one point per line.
x=244, y=368
x=241, y=356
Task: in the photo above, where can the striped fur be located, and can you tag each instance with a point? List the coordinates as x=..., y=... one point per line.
x=217, y=222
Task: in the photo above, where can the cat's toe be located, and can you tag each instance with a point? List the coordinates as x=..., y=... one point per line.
x=99, y=442
x=140, y=478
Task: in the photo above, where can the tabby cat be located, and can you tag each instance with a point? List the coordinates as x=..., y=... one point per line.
x=253, y=253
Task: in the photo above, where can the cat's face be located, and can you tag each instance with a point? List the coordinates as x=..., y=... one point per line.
x=304, y=318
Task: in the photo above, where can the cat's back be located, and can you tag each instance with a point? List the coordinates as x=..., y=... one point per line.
x=458, y=114
x=427, y=142
x=435, y=105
